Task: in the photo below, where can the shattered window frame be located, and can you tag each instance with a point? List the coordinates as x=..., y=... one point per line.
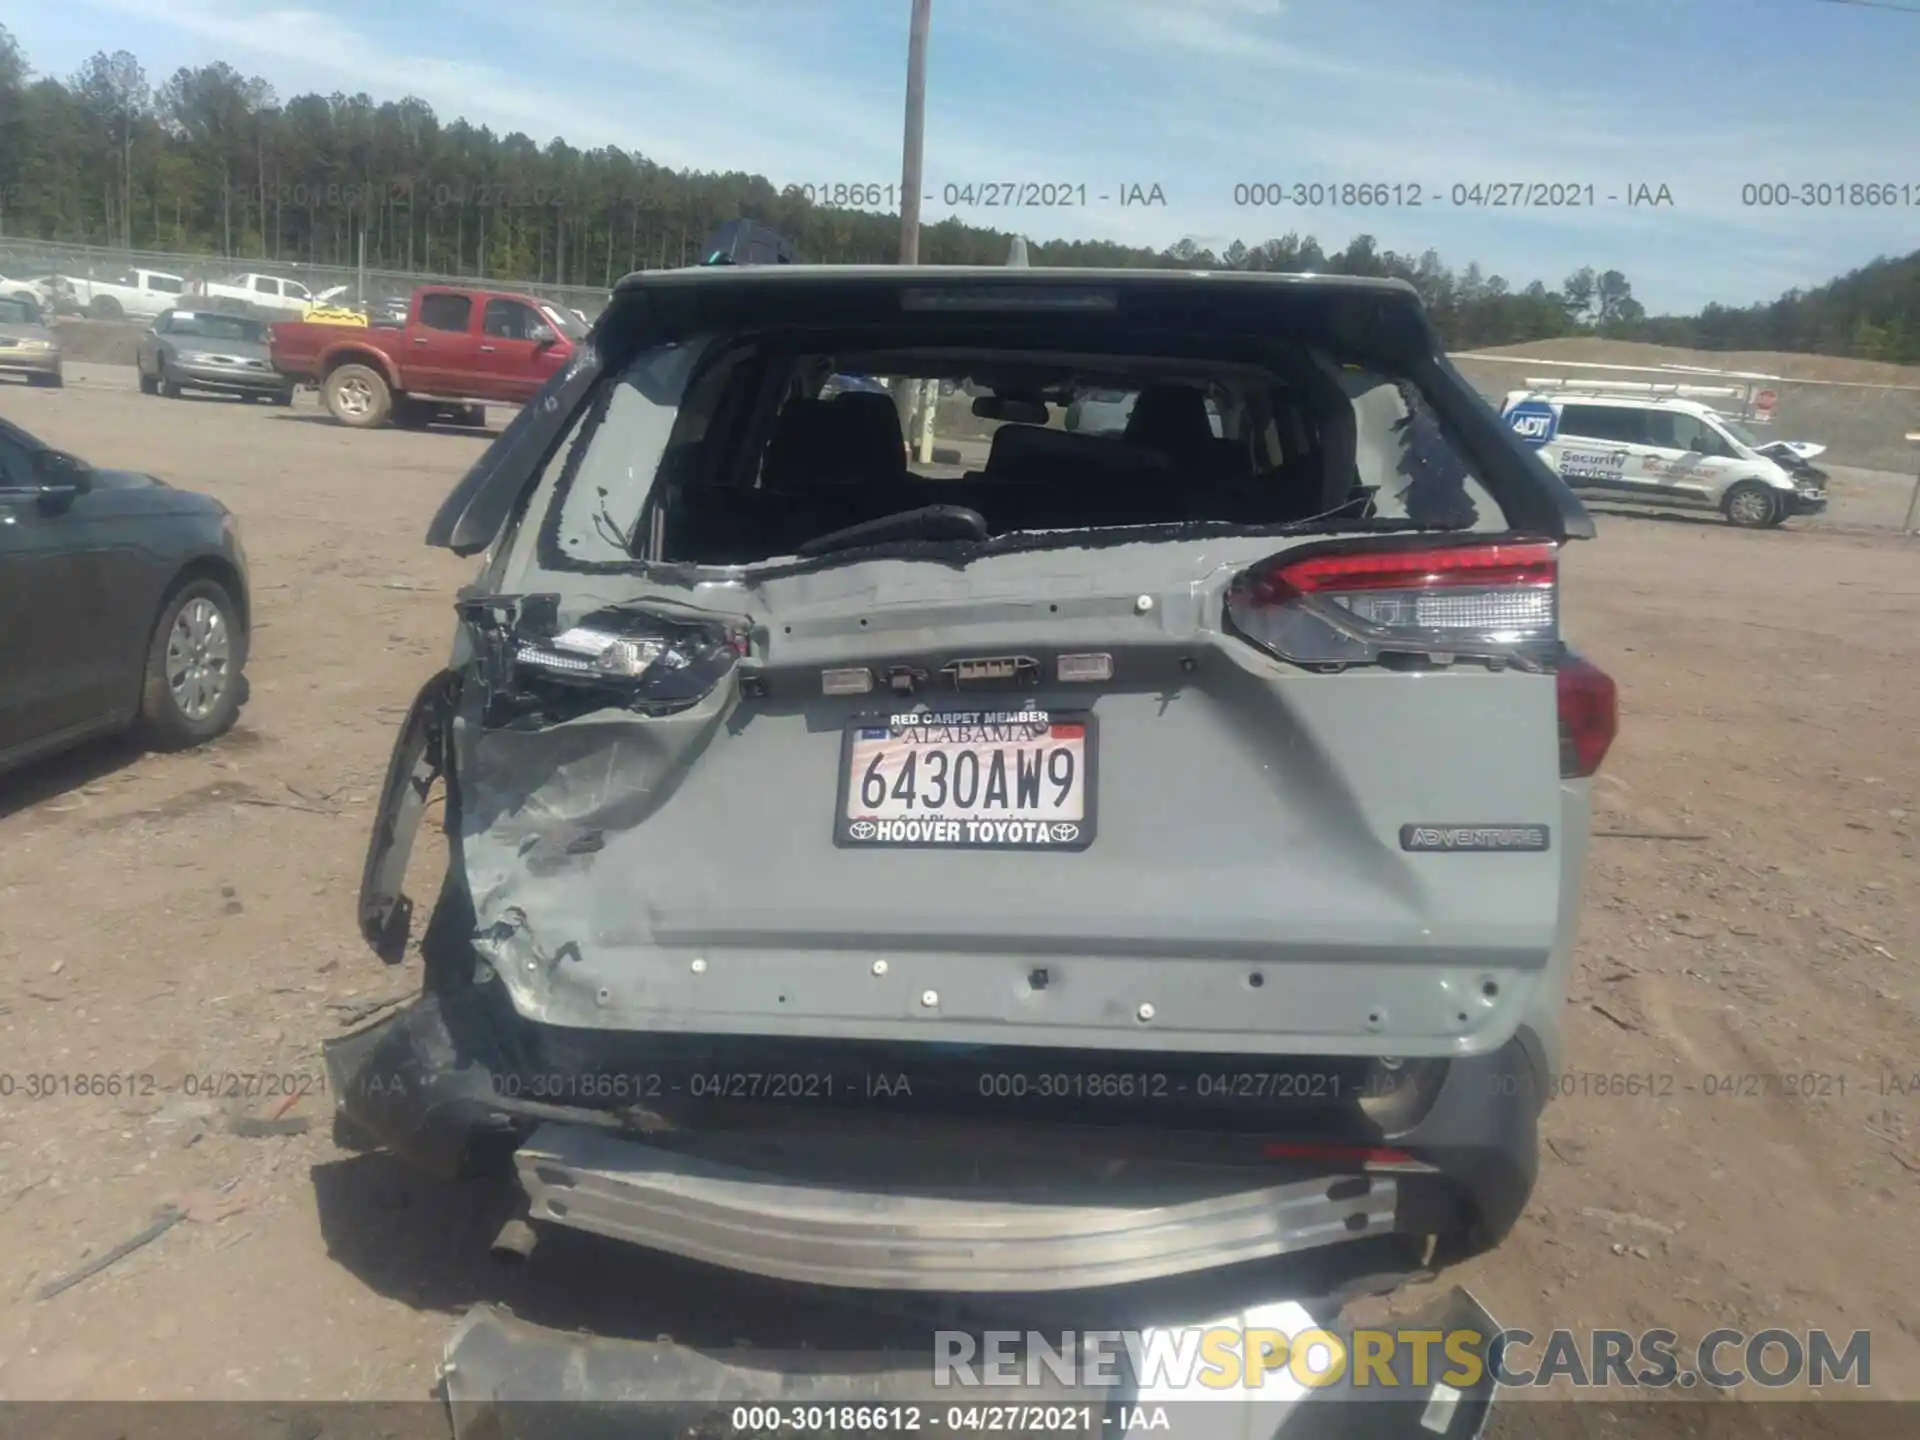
x=1429, y=482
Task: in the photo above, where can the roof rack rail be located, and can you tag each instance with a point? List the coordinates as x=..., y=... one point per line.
x=1632, y=387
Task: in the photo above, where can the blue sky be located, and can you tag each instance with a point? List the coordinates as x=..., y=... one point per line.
x=1196, y=96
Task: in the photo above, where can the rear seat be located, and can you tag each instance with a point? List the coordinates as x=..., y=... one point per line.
x=838, y=443
x=1037, y=455
x=732, y=525
x=828, y=464
x=835, y=463
x=1040, y=478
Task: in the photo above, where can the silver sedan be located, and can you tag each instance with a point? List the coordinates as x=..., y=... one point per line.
x=27, y=345
x=209, y=350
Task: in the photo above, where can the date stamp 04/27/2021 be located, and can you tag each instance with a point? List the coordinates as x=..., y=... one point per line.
x=1305, y=1088
x=123, y=1085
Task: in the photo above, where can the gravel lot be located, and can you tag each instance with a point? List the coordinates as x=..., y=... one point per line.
x=192, y=915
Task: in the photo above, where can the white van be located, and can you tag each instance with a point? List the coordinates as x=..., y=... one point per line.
x=1658, y=449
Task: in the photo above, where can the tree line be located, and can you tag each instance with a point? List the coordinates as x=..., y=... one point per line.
x=1872, y=313
x=212, y=161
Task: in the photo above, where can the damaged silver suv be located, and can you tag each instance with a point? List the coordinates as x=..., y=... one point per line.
x=1110, y=857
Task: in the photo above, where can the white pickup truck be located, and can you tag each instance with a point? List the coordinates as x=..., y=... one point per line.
x=114, y=295
x=266, y=292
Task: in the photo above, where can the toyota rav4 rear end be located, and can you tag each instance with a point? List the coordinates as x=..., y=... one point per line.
x=1106, y=858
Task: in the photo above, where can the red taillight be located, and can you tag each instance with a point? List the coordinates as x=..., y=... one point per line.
x=1352, y=606
x=1336, y=1154
x=1527, y=564
x=1589, y=716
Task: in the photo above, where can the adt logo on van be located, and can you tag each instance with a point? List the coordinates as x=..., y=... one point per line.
x=1533, y=421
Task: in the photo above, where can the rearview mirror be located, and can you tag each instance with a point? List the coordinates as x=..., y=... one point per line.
x=1016, y=412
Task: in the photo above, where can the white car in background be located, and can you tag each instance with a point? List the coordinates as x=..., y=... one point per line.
x=266, y=292
x=16, y=288
x=117, y=295
x=1662, y=450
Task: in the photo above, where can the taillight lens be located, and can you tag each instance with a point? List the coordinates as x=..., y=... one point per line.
x=1495, y=600
x=1589, y=716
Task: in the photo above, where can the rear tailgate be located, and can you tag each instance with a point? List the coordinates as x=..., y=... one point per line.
x=1229, y=869
x=1215, y=830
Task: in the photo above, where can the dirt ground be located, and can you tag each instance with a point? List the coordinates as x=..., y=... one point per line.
x=192, y=916
x=1830, y=368
x=109, y=342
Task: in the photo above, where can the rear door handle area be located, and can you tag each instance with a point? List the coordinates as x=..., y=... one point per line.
x=419, y=339
x=488, y=349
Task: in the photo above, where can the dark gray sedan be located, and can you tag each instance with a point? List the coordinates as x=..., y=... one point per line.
x=209, y=350
x=125, y=604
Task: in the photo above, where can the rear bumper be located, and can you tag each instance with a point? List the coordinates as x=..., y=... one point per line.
x=19, y=362
x=929, y=1196
x=507, y=1379
x=861, y=1232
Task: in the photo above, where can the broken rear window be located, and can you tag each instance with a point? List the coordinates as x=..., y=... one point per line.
x=714, y=453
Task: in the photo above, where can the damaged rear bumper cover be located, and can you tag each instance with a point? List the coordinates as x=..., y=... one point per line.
x=916, y=1198
x=507, y=1379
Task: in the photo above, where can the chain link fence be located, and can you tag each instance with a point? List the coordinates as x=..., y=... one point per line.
x=23, y=260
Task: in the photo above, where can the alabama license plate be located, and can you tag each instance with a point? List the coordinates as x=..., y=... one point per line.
x=968, y=779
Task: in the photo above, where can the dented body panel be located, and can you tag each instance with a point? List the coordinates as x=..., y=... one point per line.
x=664, y=864
x=640, y=844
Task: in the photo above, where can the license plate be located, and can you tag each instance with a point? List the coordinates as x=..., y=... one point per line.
x=968, y=779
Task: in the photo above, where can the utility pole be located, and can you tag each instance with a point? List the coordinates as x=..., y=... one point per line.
x=914, y=141
x=912, y=145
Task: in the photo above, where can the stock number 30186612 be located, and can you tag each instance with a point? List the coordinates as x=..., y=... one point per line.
x=1072, y=1085
x=51, y=1084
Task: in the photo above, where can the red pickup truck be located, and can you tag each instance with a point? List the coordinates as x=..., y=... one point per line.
x=459, y=351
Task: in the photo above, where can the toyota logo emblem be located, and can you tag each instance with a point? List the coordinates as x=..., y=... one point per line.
x=1064, y=833
x=863, y=830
